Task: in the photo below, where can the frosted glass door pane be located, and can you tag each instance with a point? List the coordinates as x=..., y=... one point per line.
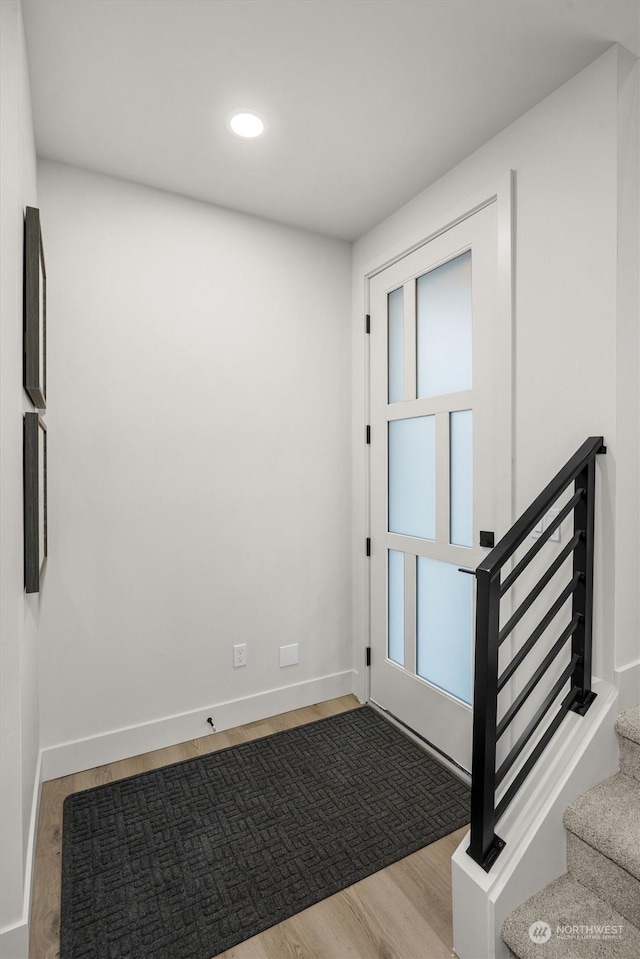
x=412, y=476
x=396, y=606
x=395, y=308
x=445, y=627
x=444, y=328
x=461, y=472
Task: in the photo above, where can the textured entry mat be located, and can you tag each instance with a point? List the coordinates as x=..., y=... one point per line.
x=186, y=861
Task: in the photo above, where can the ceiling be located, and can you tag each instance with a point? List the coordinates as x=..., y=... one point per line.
x=367, y=101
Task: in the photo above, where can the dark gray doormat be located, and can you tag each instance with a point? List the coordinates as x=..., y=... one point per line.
x=186, y=861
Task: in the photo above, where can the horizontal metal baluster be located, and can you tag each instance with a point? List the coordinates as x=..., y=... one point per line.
x=513, y=665
x=535, y=722
x=535, y=549
x=521, y=529
x=538, y=631
x=540, y=585
x=537, y=676
x=565, y=706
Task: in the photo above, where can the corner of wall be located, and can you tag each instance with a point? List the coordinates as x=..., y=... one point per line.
x=627, y=515
x=19, y=753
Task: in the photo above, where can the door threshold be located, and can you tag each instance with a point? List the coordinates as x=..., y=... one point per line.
x=437, y=754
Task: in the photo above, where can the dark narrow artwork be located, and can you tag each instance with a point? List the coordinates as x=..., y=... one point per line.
x=35, y=501
x=35, y=311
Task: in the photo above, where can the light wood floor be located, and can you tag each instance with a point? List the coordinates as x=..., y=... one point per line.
x=402, y=912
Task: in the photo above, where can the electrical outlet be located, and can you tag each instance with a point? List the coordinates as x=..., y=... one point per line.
x=240, y=655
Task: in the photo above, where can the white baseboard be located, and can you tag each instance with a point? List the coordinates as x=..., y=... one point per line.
x=628, y=685
x=14, y=939
x=73, y=757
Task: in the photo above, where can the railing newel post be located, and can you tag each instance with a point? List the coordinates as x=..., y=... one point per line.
x=485, y=845
x=583, y=557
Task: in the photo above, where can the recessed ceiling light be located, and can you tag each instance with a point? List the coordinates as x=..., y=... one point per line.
x=245, y=124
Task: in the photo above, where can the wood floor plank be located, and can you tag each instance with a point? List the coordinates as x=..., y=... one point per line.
x=402, y=912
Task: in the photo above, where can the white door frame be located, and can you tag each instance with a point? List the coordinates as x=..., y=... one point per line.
x=502, y=192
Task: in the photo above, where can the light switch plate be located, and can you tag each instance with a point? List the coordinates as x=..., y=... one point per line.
x=544, y=524
x=289, y=655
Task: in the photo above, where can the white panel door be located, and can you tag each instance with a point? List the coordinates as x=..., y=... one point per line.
x=435, y=427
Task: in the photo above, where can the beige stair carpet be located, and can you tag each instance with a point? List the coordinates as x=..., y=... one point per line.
x=578, y=924
x=628, y=729
x=593, y=911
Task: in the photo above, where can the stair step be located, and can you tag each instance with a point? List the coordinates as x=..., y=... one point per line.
x=628, y=730
x=604, y=877
x=573, y=914
x=607, y=818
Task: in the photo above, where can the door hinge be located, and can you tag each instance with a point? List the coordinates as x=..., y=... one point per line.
x=368, y=546
x=367, y=658
x=367, y=323
x=368, y=434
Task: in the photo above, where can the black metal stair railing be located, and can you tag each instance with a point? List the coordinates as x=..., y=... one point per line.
x=485, y=845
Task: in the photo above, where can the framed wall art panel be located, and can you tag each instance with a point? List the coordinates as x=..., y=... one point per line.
x=35, y=501
x=35, y=311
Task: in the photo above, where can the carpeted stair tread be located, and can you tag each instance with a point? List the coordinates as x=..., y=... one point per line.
x=566, y=903
x=607, y=818
x=630, y=758
x=628, y=730
x=604, y=878
x=628, y=724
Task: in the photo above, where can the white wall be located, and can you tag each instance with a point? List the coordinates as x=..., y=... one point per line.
x=568, y=343
x=628, y=392
x=19, y=613
x=199, y=463
x=575, y=156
